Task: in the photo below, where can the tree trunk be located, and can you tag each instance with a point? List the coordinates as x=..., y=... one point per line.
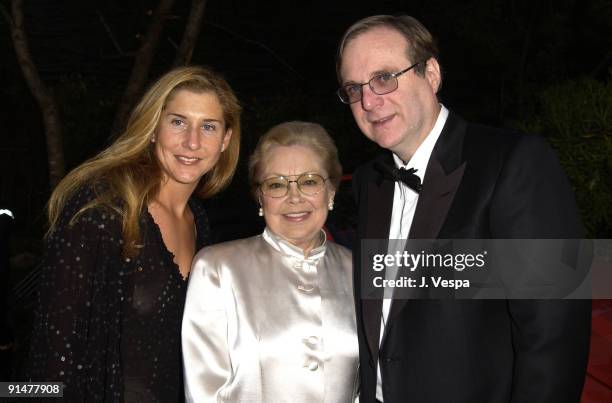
x=45, y=99
x=142, y=64
x=192, y=31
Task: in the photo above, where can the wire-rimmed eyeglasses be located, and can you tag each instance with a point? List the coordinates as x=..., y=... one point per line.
x=278, y=186
x=380, y=84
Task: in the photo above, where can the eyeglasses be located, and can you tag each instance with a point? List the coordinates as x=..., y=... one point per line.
x=278, y=186
x=381, y=84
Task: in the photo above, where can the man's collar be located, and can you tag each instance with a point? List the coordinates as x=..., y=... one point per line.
x=421, y=157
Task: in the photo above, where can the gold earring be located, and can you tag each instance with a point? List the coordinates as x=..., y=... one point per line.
x=330, y=205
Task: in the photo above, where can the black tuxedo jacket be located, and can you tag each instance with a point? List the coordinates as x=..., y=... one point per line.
x=480, y=182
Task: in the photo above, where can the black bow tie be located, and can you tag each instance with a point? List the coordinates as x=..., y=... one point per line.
x=407, y=176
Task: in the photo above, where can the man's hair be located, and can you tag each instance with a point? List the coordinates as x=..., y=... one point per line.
x=421, y=44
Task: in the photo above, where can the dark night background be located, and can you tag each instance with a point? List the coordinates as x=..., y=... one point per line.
x=540, y=66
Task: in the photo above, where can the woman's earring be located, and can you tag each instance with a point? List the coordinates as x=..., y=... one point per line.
x=152, y=139
x=260, y=213
x=330, y=205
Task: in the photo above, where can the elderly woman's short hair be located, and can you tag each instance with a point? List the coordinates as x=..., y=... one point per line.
x=306, y=134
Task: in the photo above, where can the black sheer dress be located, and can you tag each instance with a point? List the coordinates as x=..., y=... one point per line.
x=107, y=326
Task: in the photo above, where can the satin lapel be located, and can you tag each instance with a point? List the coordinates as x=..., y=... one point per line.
x=378, y=221
x=380, y=206
x=372, y=310
x=439, y=189
x=435, y=200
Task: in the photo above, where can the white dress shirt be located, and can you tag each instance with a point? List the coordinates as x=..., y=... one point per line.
x=404, y=206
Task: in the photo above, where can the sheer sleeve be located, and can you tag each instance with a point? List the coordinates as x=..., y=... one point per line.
x=206, y=359
x=64, y=343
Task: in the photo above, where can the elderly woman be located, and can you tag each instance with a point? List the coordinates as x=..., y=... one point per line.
x=124, y=228
x=271, y=318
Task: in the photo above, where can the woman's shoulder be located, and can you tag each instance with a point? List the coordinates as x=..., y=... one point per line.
x=89, y=193
x=81, y=197
x=81, y=210
x=216, y=259
x=197, y=207
x=201, y=220
x=339, y=250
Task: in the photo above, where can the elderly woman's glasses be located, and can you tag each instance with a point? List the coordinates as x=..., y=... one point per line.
x=278, y=186
x=380, y=84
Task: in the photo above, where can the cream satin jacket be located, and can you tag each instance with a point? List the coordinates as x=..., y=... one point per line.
x=263, y=324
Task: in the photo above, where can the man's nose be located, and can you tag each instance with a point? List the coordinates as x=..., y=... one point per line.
x=370, y=99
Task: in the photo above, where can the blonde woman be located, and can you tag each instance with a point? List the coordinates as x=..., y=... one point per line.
x=124, y=227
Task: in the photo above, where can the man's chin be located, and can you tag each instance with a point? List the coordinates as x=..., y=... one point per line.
x=386, y=142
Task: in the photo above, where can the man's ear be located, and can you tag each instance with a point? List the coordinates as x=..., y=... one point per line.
x=433, y=75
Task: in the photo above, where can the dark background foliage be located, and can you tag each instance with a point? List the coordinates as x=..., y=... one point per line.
x=542, y=66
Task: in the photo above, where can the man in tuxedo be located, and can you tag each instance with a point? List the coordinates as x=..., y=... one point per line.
x=471, y=182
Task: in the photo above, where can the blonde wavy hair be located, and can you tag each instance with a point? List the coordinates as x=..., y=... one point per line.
x=127, y=174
